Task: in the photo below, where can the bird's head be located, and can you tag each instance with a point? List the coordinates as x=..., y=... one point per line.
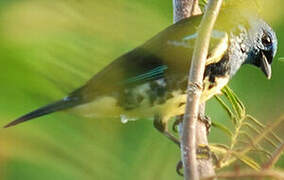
x=264, y=46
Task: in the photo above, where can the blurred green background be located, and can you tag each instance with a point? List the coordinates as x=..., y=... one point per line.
x=50, y=47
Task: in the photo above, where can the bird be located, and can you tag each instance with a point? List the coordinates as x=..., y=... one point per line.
x=150, y=81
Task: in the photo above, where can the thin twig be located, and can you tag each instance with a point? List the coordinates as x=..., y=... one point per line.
x=185, y=8
x=275, y=157
x=249, y=174
x=188, y=141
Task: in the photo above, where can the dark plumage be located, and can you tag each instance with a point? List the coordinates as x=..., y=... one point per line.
x=151, y=79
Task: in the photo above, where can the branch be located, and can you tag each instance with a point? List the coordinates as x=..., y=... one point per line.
x=188, y=141
x=275, y=157
x=249, y=174
x=185, y=8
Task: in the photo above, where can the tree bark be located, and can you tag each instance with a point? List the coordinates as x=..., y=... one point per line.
x=185, y=8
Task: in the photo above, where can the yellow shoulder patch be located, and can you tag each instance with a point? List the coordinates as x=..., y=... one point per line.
x=219, y=48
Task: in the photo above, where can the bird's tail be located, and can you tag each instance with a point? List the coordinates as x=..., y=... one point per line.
x=65, y=103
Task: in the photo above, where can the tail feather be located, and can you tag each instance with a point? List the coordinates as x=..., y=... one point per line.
x=65, y=103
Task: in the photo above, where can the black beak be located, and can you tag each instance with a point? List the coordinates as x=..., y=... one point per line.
x=265, y=66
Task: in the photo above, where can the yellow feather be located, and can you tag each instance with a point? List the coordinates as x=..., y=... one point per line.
x=216, y=54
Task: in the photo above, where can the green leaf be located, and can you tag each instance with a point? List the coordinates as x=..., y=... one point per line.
x=221, y=148
x=270, y=141
x=227, y=109
x=223, y=128
x=264, y=134
x=249, y=161
x=278, y=139
x=249, y=137
x=281, y=59
x=235, y=101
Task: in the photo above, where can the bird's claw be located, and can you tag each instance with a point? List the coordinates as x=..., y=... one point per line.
x=203, y=118
x=179, y=167
x=178, y=120
x=163, y=128
x=207, y=122
x=203, y=152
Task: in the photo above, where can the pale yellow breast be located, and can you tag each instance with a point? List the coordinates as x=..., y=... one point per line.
x=208, y=91
x=108, y=107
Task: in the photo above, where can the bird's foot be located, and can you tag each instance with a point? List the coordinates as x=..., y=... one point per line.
x=203, y=152
x=162, y=127
x=203, y=118
x=179, y=168
x=178, y=120
x=206, y=120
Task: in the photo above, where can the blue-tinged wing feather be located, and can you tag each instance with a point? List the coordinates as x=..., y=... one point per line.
x=155, y=73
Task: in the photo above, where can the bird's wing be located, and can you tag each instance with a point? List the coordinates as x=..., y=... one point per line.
x=166, y=55
x=133, y=68
x=218, y=47
x=147, y=62
x=155, y=73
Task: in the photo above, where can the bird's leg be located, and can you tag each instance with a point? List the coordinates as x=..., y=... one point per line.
x=206, y=120
x=162, y=126
x=178, y=120
x=203, y=118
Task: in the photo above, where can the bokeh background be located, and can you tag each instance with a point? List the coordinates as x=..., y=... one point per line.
x=50, y=47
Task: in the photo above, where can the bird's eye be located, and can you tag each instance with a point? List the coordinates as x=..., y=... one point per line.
x=266, y=40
